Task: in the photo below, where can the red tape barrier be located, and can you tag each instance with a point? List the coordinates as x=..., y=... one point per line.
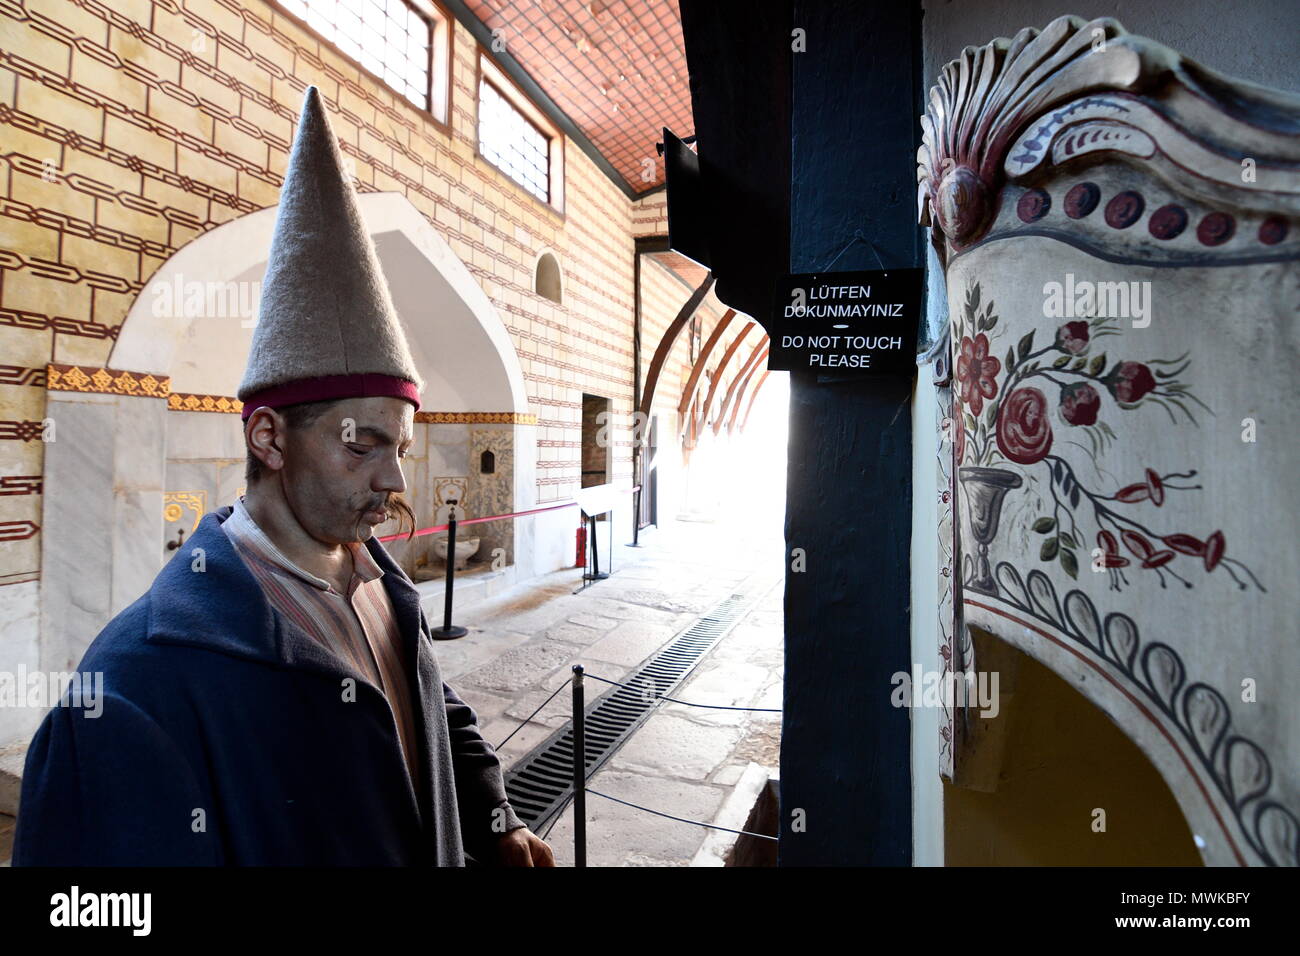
x=514, y=514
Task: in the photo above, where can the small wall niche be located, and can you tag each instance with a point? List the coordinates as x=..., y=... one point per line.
x=487, y=462
x=548, y=281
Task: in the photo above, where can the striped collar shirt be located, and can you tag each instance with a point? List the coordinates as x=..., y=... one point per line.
x=359, y=627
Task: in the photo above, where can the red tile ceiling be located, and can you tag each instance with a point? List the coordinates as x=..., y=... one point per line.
x=692, y=273
x=617, y=68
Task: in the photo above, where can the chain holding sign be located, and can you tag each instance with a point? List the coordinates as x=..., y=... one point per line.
x=846, y=322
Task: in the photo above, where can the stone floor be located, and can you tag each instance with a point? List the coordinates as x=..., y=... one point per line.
x=684, y=761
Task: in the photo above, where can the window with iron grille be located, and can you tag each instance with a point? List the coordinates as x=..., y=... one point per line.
x=512, y=142
x=391, y=39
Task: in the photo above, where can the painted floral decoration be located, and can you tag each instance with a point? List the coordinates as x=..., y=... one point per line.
x=1006, y=409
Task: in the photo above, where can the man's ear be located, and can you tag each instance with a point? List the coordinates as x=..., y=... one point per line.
x=264, y=435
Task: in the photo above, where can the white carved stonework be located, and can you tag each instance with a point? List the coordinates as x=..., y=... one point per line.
x=1120, y=230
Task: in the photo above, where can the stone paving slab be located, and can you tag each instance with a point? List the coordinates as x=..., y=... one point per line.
x=671, y=746
x=630, y=643
x=521, y=667
x=620, y=836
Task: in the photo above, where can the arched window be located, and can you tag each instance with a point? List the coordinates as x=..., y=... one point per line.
x=548, y=280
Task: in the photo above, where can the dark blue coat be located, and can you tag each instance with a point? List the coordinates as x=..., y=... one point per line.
x=225, y=737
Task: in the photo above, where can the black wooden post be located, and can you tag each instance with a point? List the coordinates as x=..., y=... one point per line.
x=806, y=118
x=845, y=749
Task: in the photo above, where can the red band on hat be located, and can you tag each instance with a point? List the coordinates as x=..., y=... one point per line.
x=329, y=387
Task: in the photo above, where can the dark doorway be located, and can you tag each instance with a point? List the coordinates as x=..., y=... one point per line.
x=650, y=484
x=597, y=436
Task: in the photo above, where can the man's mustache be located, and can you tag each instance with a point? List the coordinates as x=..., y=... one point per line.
x=394, y=506
x=392, y=502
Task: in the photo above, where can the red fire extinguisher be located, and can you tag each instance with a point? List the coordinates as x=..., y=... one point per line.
x=582, y=547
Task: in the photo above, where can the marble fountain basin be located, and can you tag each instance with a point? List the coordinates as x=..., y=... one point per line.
x=465, y=549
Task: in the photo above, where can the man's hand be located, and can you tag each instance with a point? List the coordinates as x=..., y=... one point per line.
x=521, y=847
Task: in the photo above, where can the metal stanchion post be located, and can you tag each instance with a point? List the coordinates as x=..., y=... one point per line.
x=448, y=631
x=636, y=517
x=579, y=772
x=596, y=573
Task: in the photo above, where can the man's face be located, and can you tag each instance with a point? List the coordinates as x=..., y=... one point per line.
x=341, y=471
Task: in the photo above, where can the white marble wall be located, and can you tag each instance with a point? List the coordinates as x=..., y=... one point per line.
x=19, y=652
x=102, y=515
x=205, y=457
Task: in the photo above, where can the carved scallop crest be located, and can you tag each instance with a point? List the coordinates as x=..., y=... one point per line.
x=1014, y=109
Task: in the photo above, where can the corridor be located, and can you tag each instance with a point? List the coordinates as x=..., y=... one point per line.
x=694, y=763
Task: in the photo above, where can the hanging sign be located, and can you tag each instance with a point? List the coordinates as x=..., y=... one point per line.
x=859, y=323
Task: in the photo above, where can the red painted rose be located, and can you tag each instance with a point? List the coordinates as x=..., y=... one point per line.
x=1080, y=403
x=1024, y=434
x=1072, y=337
x=977, y=372
x=1130, y=382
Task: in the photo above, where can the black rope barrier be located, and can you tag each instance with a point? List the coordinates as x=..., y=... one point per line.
x=554, y=694
x=687, y=703
x=658, y=813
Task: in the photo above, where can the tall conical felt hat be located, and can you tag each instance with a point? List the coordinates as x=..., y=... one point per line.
x=326, y=326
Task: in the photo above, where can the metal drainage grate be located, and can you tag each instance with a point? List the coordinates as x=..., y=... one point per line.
x=540, y=782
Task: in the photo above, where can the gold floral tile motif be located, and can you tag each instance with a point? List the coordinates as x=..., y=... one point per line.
x=88, y=378
x=476, y=418
x=190, y=402
x=177, y=503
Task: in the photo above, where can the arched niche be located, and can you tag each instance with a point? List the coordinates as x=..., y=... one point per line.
x=457, y=339
x=548, y=278
x=1037, y=796
x=113, y=474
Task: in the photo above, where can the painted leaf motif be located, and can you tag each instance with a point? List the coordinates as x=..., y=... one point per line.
x=1044, y=525
x=1070, y=563
x=1061, y=362
x=1097, y=364
x=1026, y=343
x=1049, y=549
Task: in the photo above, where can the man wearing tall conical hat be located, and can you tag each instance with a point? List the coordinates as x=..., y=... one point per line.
x=274, y=698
